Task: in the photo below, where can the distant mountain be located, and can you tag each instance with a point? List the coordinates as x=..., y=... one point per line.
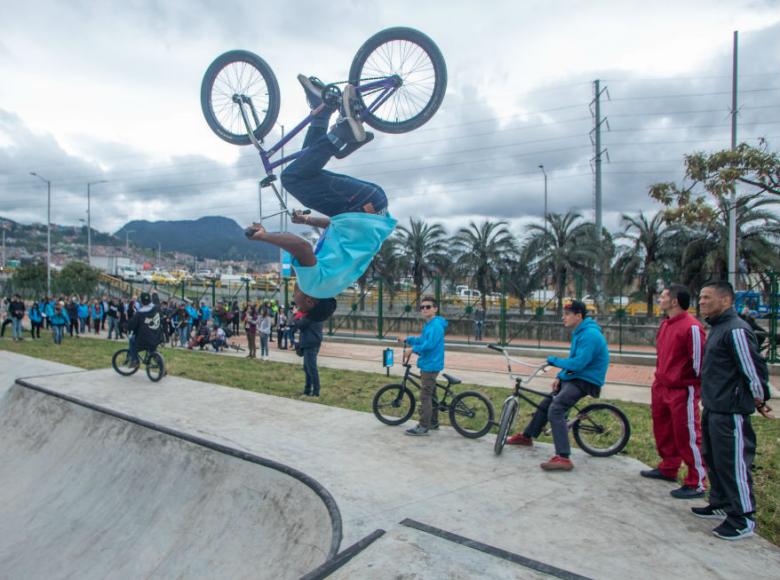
x=211, y=237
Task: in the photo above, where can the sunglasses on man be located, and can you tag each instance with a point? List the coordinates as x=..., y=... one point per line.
x=426, y=306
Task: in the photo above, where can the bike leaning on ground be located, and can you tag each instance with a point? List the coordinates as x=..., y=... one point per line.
x=600, y=429
x=470, y=412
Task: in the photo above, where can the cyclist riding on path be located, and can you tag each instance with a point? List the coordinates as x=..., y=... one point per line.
x=355, y=217
x=582, y=374
x=145, y=328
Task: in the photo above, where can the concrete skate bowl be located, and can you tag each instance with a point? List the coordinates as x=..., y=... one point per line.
x=88, y=493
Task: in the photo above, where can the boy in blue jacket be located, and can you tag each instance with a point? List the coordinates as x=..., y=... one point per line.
x=582, y=374
x=429, y=348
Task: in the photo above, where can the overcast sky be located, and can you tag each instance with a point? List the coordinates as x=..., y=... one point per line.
x=110, y=91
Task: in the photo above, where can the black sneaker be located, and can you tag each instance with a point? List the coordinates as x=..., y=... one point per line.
x=348, y=129
x=735, y=530
x=417, y=431
x=686, y=492
x=709, y=512
x=313, y=88
x=434, y=427
x=656, y=474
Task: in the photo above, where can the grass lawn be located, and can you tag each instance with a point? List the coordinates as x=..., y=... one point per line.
x=354, y=390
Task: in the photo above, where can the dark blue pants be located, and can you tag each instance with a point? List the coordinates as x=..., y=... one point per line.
x=310, y=368
x=324, y=191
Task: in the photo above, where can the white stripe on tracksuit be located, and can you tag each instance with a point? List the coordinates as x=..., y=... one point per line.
x=696, y=337
x=748, y=367
x=698, y=463
x=740, y=470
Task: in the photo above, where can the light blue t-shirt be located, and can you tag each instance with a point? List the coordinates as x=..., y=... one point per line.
x=343, y=252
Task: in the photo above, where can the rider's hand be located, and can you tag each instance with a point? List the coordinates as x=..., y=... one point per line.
x=255, y=231
x=298, y=217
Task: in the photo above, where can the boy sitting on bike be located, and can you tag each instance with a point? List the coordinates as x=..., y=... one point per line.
x=582, y=374
x=145, y=328
x=355, y=217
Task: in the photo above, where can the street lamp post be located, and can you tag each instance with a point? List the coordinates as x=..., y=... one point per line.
x=48, y=232
x=89, y=220
x=127, y=242
x=545, y=197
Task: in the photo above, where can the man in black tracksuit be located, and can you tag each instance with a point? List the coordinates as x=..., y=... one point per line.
x=734, y=383
x=145, y=328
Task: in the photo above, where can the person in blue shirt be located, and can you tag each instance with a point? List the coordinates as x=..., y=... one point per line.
x=429, y=348
x=83, y=313
x=582, y=374
x=59, y=320
x=36, y=319
x=355, y=217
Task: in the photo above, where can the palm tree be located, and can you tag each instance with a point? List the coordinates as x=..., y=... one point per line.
x=525, y=276
x=485, y=252
x=642, y=259
x=567, y=246
x=388, y=265
x=423, y=246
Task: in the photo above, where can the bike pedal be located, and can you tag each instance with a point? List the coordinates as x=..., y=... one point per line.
x=352, y=147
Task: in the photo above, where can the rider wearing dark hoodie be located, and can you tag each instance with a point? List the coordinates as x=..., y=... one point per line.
x=145, y=327
x=429, y=348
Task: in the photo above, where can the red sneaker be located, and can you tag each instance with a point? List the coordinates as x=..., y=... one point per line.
x=519, y=439
x=558, y=463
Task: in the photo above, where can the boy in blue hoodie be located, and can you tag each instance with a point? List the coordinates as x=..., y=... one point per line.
x=582, y=374
x=429, y=348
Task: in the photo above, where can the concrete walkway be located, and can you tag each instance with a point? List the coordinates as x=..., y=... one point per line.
x=600, y=521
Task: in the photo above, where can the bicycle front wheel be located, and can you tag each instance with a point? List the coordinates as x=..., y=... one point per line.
x=155, y=367
x=471, y=413
x=239, y=75
x=601, y=430
x=508, y=416
x=121, y=363
x=415, y=67
x=393, y=404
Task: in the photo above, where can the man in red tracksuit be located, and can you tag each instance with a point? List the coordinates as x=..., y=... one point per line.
x=676, y=394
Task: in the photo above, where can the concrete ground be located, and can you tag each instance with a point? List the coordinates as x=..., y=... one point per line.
x=467, y=513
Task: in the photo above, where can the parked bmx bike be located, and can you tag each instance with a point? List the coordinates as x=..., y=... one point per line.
x=600, y=429
x=399, y=75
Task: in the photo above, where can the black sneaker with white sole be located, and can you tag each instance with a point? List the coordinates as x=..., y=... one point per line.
x=313, y=88
x=348, y=129
x=735, y=528
x=417, y=431
x=709, y=512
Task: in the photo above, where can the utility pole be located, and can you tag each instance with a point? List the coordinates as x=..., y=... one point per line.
x=127, y=242
x=545, y=198
x=159, y=252
x=89, y=220
x=48, y=232
x=283, y=214
x=596, y=139
x=3, y=227
x=733, y=209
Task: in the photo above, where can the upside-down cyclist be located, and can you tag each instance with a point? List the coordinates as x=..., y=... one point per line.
x=355, y=214
x=582, y=374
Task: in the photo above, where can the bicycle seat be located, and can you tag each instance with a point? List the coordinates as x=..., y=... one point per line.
x=451, y=380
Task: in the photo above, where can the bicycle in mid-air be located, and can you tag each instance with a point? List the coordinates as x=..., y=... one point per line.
x=399, y=75
x=470, y=412
x=600, y=429
x=151, y=359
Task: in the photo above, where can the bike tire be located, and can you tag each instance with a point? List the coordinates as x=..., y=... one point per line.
x=393, y=404
x=155, y=367
x=239, y=72
x=508, y=416
x=471, y=414
x=601, y=430
x=119, y=362
x=419, y=63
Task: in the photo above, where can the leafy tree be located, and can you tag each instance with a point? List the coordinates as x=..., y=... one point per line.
x=567, y=246
x=77, y=278
x=642, y=260
x=754, y=170
x=30, y=279
x=484, y=252
x=423, y=246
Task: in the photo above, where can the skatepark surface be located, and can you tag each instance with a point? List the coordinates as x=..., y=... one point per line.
x=110, y=476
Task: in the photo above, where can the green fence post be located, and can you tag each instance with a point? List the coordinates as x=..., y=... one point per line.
x=182, y=289
x=379, y=313
x=773, y=290
x=502, y=319
x=213, y=292
x=578, y=286
x=287, y=294
x=437, y=289
x=247, y=292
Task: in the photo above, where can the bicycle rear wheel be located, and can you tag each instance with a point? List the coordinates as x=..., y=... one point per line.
x=415, y=65
x=601, y=430
x=155, y=367
x=508, y=416
x=471, y=413
x=239, y=75
x=121, y=363
x=393, y=404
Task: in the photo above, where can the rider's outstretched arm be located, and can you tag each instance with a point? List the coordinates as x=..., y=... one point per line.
x=300, y=249
x=299, y=217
